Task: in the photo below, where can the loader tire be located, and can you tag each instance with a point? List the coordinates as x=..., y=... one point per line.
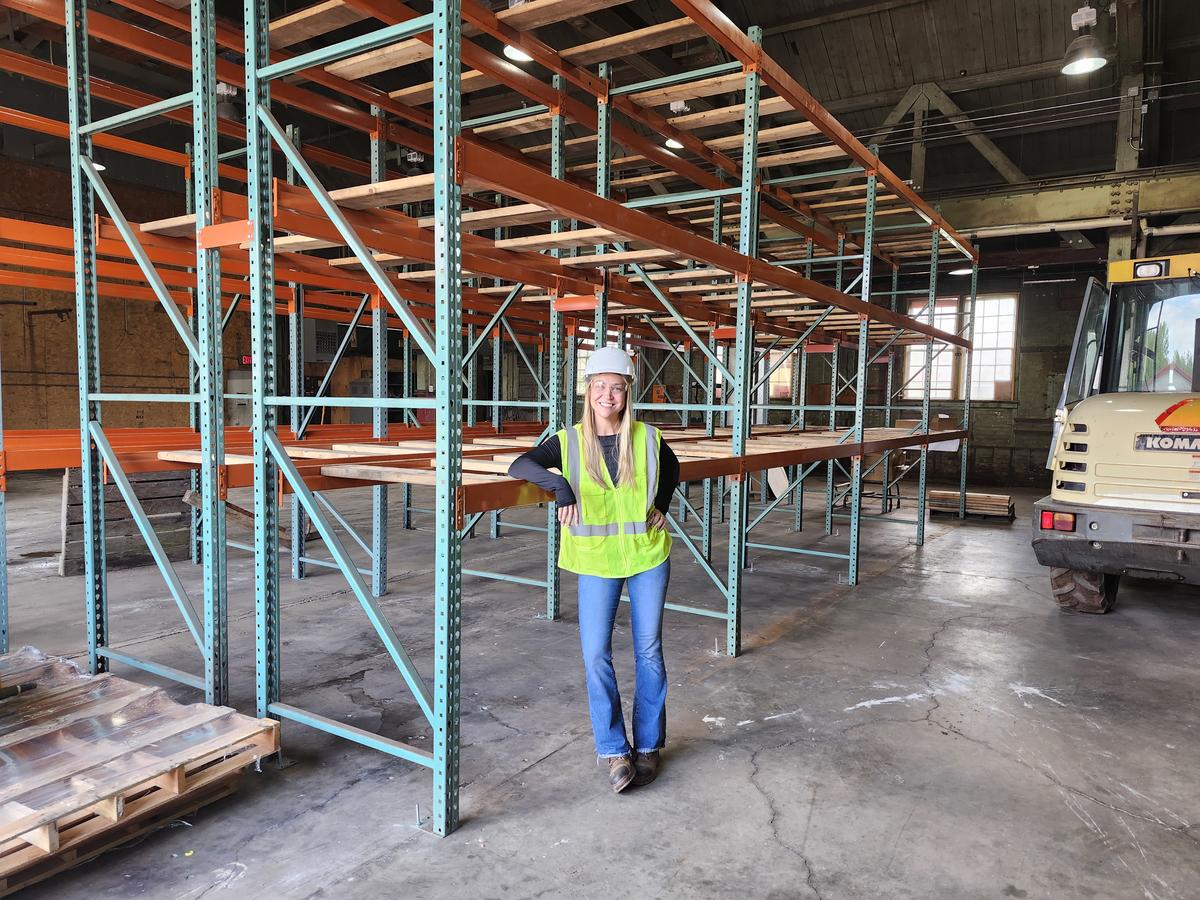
x=1084, y=592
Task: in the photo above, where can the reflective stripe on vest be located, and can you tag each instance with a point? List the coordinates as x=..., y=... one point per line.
x=574, y=463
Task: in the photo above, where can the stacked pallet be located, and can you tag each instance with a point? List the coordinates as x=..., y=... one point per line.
x=161, y=496
x=91, y=761
x=1000, y=505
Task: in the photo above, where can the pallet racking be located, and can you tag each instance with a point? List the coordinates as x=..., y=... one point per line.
x=647, y=249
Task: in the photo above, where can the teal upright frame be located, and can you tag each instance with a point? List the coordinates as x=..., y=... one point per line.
x=201, y=335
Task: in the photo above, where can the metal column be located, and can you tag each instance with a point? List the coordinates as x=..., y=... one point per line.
x=603, y=179
x=930, y=304
x=379, y=388
x=554, y=384
x=211, y=407
x=834, y=377
x=860, y=392
x=472, y=411
x=885, y=503
x=572, y=377
x=709, y=484
x=298, y=527
x=262, y=342
x=743, y=350
x=497, y=396
x=87, y=333
x=966, y=420
x=834, y=387
x=447, y=215
x=407, y=376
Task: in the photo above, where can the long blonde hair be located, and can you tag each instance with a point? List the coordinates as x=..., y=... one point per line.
x=593, y=455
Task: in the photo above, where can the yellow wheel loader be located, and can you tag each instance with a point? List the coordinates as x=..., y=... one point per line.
x=1125, y=456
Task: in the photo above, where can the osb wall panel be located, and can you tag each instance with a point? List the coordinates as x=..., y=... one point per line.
x=139, y=350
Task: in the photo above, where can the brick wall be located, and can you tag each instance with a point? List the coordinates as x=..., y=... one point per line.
x=139, y=350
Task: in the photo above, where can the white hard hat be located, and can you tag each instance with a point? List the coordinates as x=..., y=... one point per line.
x=609, y=359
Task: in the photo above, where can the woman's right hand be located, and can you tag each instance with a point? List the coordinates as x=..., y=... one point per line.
x=568, y=515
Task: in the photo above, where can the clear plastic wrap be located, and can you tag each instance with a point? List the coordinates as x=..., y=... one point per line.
x=73, y=740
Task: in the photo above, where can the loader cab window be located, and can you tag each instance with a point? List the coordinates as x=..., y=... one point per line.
x=1083, y=371
x=1156, y=336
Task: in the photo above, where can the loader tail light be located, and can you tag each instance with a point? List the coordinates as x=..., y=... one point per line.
x=1057, y=521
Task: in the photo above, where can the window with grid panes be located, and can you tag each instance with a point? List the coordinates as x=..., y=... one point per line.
x=992, y=363
x=945, y=318
x=581, y=361
x=781, y=378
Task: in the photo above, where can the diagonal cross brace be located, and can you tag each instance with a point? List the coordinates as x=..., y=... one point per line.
x=361, y=589
x=178, y=592
x=139, y=254
x=414, y=325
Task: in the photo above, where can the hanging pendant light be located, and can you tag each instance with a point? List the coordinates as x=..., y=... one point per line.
x=1086, y=53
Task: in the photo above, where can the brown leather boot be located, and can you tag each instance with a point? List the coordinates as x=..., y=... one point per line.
x=645, y=767
x=620, y=772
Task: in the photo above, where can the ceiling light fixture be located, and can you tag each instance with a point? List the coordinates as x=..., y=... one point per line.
x=674, y=144
x=226, y=107
x=1086, y=53
x=516, y=54
x=963, y=271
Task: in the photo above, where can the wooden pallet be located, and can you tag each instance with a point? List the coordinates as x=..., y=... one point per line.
x=983, y=505
x=94, y=760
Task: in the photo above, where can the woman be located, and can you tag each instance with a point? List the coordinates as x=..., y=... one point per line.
x=612, y=505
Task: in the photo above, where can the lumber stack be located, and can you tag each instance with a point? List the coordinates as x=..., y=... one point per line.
x=1000, y=505
x=91, y=761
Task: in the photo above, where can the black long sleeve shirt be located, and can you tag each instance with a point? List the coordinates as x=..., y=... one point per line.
x=532, y=466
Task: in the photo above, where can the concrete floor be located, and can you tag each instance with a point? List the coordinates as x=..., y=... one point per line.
x=939, y=731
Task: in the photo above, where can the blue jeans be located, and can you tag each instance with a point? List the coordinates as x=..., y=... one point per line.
x=598, y=600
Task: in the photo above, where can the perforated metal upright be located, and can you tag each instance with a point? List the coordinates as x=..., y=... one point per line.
x=860, y=380
x=927, y=377
x=603, y=187
x=263, y=362
x=298, y=528
x=554, y=381
x=963, y=450
x=379, y=388
x=211, y=406
x=743, y=350
x=447, y=213
x=87, y=333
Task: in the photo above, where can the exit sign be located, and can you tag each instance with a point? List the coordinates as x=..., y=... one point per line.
x=247, y=359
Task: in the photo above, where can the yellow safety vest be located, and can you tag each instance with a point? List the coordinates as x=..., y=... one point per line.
x=612, y=539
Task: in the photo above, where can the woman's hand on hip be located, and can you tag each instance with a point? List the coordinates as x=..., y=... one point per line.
x=655, y=519
x=568, y=515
